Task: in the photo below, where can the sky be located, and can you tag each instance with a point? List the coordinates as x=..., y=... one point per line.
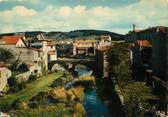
x=66, y=15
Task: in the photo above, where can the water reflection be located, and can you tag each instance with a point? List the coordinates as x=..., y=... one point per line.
x=94, y=106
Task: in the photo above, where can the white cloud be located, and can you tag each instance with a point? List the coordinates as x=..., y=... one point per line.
x=80, y=9
x=144, y=13
x=23, y=11
x=65, y=11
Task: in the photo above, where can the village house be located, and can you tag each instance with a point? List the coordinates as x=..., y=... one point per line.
x=18, y=47
x=5, y=73
x=35, y=55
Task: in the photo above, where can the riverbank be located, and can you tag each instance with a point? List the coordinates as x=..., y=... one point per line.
x=32, y=89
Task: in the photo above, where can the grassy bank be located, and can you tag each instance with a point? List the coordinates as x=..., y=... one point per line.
x=32, y=89
x=49, y=111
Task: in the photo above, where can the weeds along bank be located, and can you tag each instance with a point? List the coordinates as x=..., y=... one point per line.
x=47, y=96
x=135, y=96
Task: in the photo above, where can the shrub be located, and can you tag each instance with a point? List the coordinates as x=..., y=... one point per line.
x=136, y=95
x=79, y=110
x=32, y=77
x=14, y=86
x=71, y=95
x=62, y=95
x=20, y=105
x=59, y=94
x=78, y=92
x=58, y=82
x=87, y=82
x=6, y=55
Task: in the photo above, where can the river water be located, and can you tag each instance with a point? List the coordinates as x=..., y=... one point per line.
x=93, y=104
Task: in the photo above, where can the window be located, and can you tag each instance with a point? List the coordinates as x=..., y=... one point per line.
x=35, y=71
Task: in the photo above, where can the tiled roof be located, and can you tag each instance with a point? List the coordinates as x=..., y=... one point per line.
x=143, y=42
x=12, y=40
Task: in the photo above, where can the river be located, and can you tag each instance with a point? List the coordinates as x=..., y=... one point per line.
x=93, y=104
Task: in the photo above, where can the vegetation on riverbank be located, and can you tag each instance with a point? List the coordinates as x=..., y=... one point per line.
x=47, y=97
x=32, y=89
x=134, y=94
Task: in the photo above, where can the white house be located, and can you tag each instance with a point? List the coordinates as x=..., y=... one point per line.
x=52, y=52
x=47, y=47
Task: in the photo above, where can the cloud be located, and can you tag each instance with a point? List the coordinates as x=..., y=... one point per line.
x=65, y=11
x=64, y=18
x=23, y=11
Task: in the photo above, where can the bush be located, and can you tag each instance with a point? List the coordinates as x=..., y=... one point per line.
x=62, y=95
x=14, y=86
x=40, y=99
x=20, y=105
x=59, y=94
x=87, y=82
x=32, y=77
x=136, y=95
x=76, y=94
x=79, y=110
x=23, y=68
x=6, y=55
x=58, y=82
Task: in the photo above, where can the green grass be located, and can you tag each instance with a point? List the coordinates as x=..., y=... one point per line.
x=32, y=89
x=58, y=110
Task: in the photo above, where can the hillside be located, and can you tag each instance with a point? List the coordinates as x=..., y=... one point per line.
x=80, y=34
x=84, y=34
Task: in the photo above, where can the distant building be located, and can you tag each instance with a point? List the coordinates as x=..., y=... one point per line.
x=83, y=47
x=89, y=46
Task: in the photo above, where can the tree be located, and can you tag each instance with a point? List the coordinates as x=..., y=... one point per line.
x=119, y=64
x=6, y=55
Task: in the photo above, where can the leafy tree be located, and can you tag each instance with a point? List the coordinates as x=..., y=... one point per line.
x=119, y=63
x=6, y=55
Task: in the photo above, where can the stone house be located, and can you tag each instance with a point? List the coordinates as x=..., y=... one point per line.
x=36, y=59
